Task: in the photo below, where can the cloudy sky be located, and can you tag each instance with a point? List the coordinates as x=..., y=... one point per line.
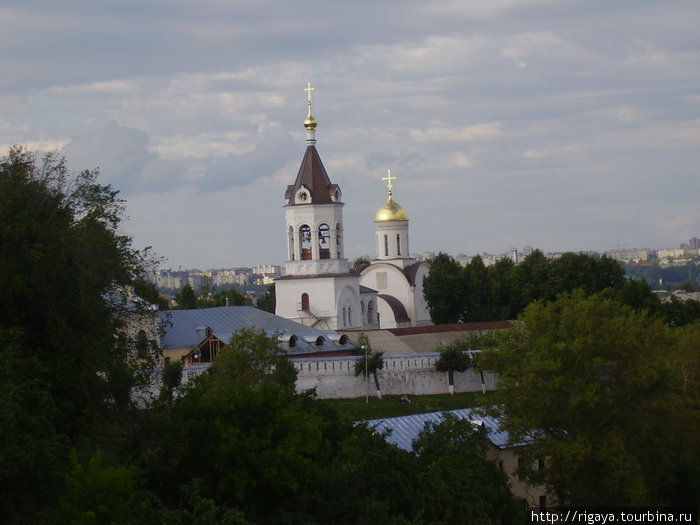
x=559, y=124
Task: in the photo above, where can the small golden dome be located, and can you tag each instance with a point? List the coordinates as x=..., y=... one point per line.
x=310, y=122
x=390, y=211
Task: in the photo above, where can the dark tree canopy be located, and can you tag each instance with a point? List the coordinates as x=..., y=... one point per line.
x=65, y=272
x=442, y=290
x=268, y=300
x=472, y=293
x=606, y=395
x=186, y=299
x=453, y=358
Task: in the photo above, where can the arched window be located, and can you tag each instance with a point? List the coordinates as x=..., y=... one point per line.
x=386, y=246
x=293, y=341
x=305, y=240
x=398, y=244
x=305, y=302
x=291, y=243
x=324, y=241
x=370, y=312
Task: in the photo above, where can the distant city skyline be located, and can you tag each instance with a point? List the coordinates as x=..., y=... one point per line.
x=566, y=126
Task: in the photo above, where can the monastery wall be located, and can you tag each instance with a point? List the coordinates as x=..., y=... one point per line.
x=334, y=377
x=414, y=374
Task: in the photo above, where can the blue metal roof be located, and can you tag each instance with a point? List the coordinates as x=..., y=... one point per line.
x=183, y=328
x=405, y=429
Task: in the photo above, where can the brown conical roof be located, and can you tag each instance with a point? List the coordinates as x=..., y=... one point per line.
x=313, y=176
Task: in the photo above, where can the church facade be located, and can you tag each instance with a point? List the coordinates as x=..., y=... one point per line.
x=318, y=288
x=393, y=273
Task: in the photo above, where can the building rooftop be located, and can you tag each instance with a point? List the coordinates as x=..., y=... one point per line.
x=188, y=328
x=405, y=429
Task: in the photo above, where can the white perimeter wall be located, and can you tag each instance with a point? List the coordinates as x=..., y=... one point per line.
x=334, y=377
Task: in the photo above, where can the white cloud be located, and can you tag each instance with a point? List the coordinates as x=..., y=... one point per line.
x=446, y=133
x=531, y=119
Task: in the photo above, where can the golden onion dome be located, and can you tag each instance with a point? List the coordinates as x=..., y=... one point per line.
x=390, y=211
x=310, y=122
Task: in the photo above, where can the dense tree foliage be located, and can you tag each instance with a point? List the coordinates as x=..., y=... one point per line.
x=268, y=300
x=65, y=272
x=474, y=292
x=607, y=396
x=467, y=488
x=187, y=299
x=443, y=290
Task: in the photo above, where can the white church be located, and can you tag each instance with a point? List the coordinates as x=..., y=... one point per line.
x=318, y=288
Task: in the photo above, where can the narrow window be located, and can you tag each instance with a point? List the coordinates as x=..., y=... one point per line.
x=338, y=242
x=305, y=302
x=291, y=243
x=324, y=241
x=370, y=312
x=305, y=239
x=386, y=246
x=398, y=244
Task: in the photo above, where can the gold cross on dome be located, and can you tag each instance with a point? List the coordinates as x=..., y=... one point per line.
x=308, y=90
x=388, y=180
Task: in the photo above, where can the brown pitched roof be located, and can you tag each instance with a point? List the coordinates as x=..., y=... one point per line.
x=456, y=327
x=313, y=175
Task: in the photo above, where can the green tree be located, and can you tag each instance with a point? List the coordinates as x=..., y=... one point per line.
x=459, y=484
x=358, y=263
x=64, y=274
x=532, y=279
x=453, y=358
x=268, y=301
x=574, y=271
x=477, y=304
x=441, y=290
x=186, y=299
x=637, y=294
x=234, y=297
x=681, y=313
x=502, y=290
x=147, y=291
x=240, y=437
x=588, y=382
x=371, y=365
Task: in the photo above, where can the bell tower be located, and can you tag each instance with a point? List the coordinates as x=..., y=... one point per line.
x=314, y=214
x=317, y=288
